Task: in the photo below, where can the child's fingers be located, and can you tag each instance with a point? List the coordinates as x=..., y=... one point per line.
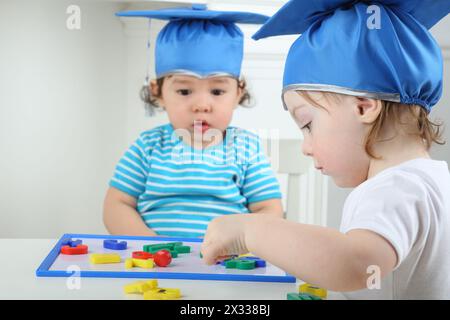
x=210, y=253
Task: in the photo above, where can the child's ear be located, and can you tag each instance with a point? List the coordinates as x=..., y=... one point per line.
x=240, y=92
x=155, y=91
x=368, y=110
x=154, y=88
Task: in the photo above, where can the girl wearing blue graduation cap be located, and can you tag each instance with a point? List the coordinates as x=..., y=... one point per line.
x=361, y=92
x=177, y=177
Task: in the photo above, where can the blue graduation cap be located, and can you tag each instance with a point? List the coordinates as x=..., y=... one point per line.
x=198, y=41
x=344, y=49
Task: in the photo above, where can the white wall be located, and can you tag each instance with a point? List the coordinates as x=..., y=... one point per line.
x=61, y=115
x=69, y=107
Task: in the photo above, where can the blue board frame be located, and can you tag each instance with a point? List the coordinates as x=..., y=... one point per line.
x=43, y=269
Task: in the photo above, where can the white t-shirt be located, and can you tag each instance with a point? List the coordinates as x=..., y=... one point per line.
x=409, y=205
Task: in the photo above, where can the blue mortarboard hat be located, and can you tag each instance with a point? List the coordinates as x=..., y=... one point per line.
x=198, y=41
x=343, y=50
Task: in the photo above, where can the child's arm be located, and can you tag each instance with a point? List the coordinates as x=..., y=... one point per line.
x=271, y=206
x=120, y=215
x=318, y=255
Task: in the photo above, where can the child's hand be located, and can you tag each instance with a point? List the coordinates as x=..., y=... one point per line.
x=225, y=236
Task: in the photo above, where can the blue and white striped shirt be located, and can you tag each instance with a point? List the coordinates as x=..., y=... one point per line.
x=179, y=189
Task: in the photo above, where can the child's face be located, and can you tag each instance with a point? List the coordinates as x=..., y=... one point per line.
x=333, y=136
x=203, y=107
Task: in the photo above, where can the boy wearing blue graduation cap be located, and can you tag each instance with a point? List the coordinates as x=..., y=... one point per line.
x=361, y=96
x=177, y=177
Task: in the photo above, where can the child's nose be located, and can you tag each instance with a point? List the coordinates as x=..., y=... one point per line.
x=307, y=148
x=202, y=108
x=202, y=105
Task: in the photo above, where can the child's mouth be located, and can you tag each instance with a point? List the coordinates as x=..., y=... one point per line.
x=201, y=126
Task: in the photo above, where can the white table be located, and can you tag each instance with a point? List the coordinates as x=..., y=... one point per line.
x=21, y=257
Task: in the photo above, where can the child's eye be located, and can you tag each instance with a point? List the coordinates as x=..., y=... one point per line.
x=307, y=127
x=217, y=92
x=184, y=92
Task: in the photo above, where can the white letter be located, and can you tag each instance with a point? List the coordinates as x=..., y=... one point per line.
x=74, y=280
x=179, y=154
x=374, y=21
x=73, y=22
x=374, y=281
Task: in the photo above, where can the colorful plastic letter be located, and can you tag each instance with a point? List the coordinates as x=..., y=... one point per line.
x=114, y=245
x=162, y=294
x=142, y=255
x=79, y=249
x=313, y=290
x=144, y=264
x=101, y=258
x=71, y=243
x=141, y=286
